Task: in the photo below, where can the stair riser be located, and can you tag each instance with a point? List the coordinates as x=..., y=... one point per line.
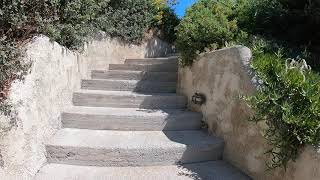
x=132, y=123
x=129, y=86
x=150, y=68
x=148, y=76
x=132, y=157
x=150, y=102
x=170, y=61
x=173, y=55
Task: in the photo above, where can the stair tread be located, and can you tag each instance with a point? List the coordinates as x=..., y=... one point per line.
x=212, y=170
x=135, y=75
x=127, y=111
x=128, y=119
x=132, y=139
x=168, y=60
x=123, y=93
x=131, y=81
x=130, y=71
x=129, y=85
x=146, y=65
x=156, y=58
x=129, y=99
x=167, y=67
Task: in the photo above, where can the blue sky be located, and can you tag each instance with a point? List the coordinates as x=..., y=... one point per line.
x=182, y=6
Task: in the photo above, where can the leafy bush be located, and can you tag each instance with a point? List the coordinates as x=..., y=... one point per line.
x=19, y=19
x=128, y=19
x=166, y=20
x=294, y=22
x=71, y=23
x=281, y=18
x=259, y=16
x=75, y=22
x=288, y=100
x=207, y=24
x=289, y=103
x=10, y=66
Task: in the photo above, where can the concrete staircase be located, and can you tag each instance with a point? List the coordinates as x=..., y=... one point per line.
x=128, y=123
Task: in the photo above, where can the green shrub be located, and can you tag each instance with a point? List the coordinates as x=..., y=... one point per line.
x=295, y=22
x=76, y=22
x=19, y=18
x=259, y=16
x=166, y=20
x=167, y=25
x=71, y=23
x=288, y=101
x=11, y=67
x=207, y=24
x=282, y=19
x=128, y=19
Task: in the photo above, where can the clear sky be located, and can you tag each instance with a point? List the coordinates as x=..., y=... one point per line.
x=182, y=6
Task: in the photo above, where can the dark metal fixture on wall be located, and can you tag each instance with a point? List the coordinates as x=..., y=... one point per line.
x=199, y=98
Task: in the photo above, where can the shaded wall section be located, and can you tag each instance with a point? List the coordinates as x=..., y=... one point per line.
x=222, y=76
x=103, y=50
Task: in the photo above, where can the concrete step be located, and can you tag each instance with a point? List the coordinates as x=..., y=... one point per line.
x=167, y=60
x=212, y=170
x=136, y=75
x=146, y=67
x=129, y=85
x=126, y=99
x=130, y=119
x=132, y=148
x=176, y=54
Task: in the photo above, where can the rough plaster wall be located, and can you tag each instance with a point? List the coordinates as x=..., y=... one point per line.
x=102, y=51
x=38, y=101
x=222, y=75
x=47, y=90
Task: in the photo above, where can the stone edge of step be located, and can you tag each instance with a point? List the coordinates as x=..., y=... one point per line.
x=211, y=169
x=63, y=136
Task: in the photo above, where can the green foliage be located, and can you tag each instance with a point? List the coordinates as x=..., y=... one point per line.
x=128, y=19
x=11, y=67
x=296, y=22
x=75, y=22
x=19, y=19
x=281, y=18
x=288, y=100
x=71, y=23
x=167, y=24
x=289, y=103
x=166, y=20
x=207, y=24
x=258, y=16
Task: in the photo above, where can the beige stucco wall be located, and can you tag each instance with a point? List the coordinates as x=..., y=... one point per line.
x=47, y=90
x=222, y=75
x=102, y=51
